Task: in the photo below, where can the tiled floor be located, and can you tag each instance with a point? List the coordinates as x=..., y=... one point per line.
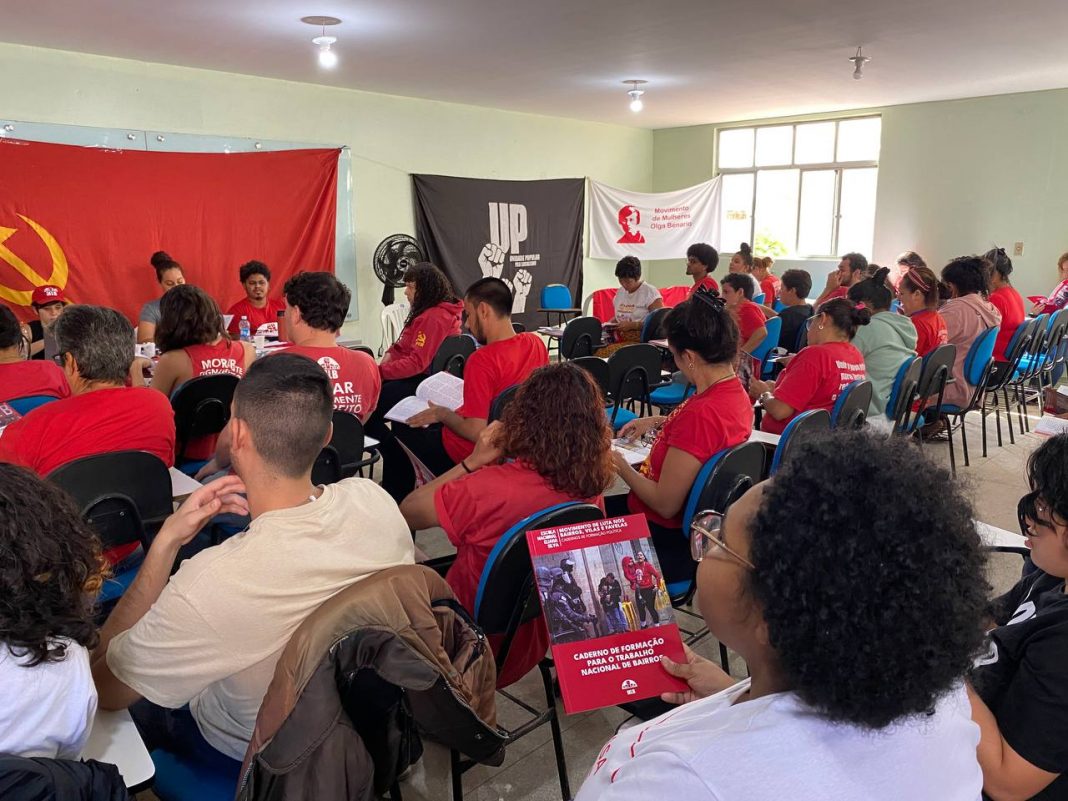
x=529, y=772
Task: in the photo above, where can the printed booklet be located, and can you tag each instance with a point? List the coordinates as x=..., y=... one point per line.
x=7, y=416
x=607, y=612
x=441, y=389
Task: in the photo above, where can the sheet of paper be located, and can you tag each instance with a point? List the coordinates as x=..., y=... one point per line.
x=634, y=452
x=551, y=331
x=1050, y=426
x=406, y=409
x=442, y=389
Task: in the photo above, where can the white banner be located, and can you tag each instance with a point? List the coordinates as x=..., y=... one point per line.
x=658, y=225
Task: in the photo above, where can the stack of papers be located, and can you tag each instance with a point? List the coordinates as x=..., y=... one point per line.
x=634, y=452
x=1050, y=426
x=441, y=389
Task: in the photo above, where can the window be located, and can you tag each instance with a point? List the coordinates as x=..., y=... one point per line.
x=809, y=187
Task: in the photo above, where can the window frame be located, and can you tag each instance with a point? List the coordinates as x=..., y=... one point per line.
x=836, y=166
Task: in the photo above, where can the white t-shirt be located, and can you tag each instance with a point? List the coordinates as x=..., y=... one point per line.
x=775, y=747
x=632, y=307
x=46, y=710
x=214, y=636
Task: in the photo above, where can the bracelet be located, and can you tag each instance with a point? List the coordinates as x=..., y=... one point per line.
x=463, y=464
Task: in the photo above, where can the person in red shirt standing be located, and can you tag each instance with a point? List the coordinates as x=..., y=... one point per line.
x=261, y=310
x=316, y=305
x=701, y=260
x=851, y=269
x=20, y=378
x=703, y=338
x=505, y=359
x=918, y=292
x=816, y=376
x=1005, y=299
x=550, y=460
x=102, y=415
x=769, y=282
x=738, y=295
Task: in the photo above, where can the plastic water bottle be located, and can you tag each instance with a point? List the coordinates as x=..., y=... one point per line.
x=245, y=329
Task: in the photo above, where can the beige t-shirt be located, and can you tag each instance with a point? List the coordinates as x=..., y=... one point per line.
x=214, y=636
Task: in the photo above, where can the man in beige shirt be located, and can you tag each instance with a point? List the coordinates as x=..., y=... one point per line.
x=210, y=636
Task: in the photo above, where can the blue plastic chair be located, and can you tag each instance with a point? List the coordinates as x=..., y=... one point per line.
x=507, y=597
x=778, y=306
x=977, y=365
x=556, y=299
x=851, y=408
x=804, y=425
x=671, y=395
x=761, y=352
x=903, y=393
x=759, y=298
x=180, y=779
x=29, y=403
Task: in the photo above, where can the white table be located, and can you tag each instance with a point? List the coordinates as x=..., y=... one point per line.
x=370, y=443
x=764, y=438
x=182, y=486
x=114, y=739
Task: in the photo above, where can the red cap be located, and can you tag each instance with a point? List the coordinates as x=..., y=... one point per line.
x=44, y=295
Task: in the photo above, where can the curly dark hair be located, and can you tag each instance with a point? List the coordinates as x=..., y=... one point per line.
x=10, y=330
x=704, y=253
x=51, y=569
x=845, y=316
x=703, y=325
x=187, y=316
x=969, y=274
x=1047, y=473
x=251, y=268
x=739, y=283
x=569, y=445
x=161, y=261
x=874, y=598
x=322, y=299
x=432, y=287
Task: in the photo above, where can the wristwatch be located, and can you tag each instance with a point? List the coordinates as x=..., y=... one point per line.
x=765, y=397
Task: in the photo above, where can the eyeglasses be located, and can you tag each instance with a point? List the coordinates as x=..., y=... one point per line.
x=706, y=538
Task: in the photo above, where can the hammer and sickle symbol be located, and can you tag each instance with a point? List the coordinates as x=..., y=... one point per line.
x=60, y=269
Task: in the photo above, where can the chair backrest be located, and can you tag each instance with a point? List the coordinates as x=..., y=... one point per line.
x=980, y=355
x=507, y=595
x=759, y=298
x=653, y=324
x=363, y=349
x=500, y=403
x=452, y=355
x=631, y=371
x=1032, y=357
x=201, y=407
x=596, y=367
x=723, y=479
x=600, y=304
x=771, y=341
x=125, y=495
x=27, y=404
x=778, y=305
x=800, y=428
x=393, y=317
x=937, y=368
x=555, y=296
x=1015, y=352
x=904, y=392
x=519, y=328
x=582, y=336
x=851, y=408
x=1058, y=324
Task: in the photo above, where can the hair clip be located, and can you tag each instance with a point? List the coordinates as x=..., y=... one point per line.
x=711, y=297
x=859, y=306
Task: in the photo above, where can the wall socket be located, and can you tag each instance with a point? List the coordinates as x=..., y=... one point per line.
x=1017, y=249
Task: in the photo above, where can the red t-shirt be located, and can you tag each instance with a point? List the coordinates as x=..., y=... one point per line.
x=930, y=331
x=708, y=281
x=225, y=357
x=750, y=319
x=702, y=426
x=414, y=350
x=490, y=370
x=770, y=287
x=1011, y=305
x=475, y=510
x=353, y=373
x=24, y=379
x=102, y=421
x=813, y=380
x=265, y=318
x=841, y=292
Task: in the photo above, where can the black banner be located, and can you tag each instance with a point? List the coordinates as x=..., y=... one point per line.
x=528, y=233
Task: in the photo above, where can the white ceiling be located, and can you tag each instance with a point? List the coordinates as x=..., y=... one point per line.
x=705, y=60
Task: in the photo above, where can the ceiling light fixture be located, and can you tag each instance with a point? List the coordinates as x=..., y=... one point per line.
x=327, y=56
x=635, y=94
x=859, y=60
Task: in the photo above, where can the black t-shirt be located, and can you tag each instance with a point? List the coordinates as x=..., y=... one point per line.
x=36, y=335
x=793, y=318
x=1023, y=676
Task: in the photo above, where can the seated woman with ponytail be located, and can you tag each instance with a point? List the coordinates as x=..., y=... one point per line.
x=967, y=313
x=918, y=292
x=703, y=338
x=816, y=376
x=885, y=343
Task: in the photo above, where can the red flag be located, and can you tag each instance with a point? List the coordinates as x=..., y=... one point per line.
x=88, y=219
